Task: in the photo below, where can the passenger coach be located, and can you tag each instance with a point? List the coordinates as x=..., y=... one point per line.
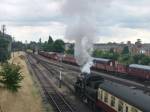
x=140, y=71
x=114, y=97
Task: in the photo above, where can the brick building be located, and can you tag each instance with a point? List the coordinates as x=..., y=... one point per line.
x=118, y=47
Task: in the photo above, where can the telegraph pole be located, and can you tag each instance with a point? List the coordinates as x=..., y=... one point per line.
x=3, y=29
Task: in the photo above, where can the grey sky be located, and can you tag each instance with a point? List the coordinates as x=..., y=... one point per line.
x=116, y=20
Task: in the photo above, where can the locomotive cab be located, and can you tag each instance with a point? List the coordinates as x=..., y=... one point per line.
x=86, y=86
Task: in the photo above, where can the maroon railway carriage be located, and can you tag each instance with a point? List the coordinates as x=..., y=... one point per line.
x=107, y=65
x=50, y=55
x=104, y=64
x=120, y=68
x=69, y=59
x=140, y=71
x=42, y=53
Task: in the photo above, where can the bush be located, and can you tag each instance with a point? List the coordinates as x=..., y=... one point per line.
x=11, y=76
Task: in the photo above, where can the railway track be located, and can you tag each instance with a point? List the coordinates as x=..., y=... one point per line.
x=126, y=82
x=50, y=91
x=67, y=82
x=54, y=69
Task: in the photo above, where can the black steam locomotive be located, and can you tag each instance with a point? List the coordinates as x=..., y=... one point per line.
x=86, y=88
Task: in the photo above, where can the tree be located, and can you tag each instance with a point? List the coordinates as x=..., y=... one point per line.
x=48, y=45
x=125, y=50
x=59, y=46
x=40, y=41
x=50, y=40
x=18, y=46
x=111, y=50
x=4, y=54
x=32, y=45
x=71, y=49
x=145, y=60
x=11, y=76
x=115, y=56
x=97, y=53
x=138, y=58
x=125, y=59
x=44, y=46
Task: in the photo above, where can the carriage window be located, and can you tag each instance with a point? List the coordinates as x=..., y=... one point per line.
x=120, y=106
x=111, y=64
x=106, y=97
x=101, y=95
x=134, y=109
x=112, y=101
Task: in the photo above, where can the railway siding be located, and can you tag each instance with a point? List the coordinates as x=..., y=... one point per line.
x=129, y=83
x=50, y=92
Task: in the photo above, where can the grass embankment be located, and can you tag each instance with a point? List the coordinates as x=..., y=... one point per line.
x=27, y=99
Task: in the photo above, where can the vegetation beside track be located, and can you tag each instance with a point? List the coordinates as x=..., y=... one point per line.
x=27, y=99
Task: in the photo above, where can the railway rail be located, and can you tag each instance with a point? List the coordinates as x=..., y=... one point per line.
x=50, y=91
x=67, y=82
x=129, y=83
x=55, y=69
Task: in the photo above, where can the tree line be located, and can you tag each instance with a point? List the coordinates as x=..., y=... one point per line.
x=52, y=46
x=125, y=57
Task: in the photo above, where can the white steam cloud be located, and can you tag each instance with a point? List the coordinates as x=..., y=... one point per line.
x=82, y=29
x=83, y=33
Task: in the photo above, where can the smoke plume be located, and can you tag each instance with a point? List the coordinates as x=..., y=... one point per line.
x=82, y=29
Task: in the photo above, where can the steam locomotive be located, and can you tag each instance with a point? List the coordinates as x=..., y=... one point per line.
x=102, y=95
x=107, y=65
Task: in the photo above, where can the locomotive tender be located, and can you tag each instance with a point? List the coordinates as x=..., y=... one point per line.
x=109, y=96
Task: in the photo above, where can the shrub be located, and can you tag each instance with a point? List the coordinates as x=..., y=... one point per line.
x=11, y=76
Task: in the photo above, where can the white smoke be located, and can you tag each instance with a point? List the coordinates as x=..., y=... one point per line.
x=82, y=29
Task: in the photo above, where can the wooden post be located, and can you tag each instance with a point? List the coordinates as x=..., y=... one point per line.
x=60, y=78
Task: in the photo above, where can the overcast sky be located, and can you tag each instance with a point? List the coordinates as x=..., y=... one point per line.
x=116, y=20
